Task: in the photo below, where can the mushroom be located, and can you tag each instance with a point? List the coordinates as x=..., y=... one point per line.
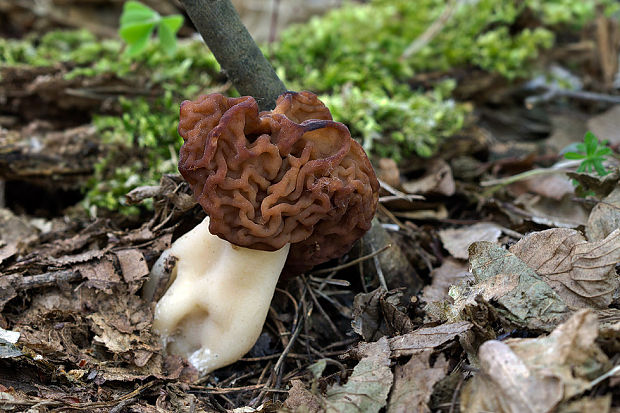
x=284, y=190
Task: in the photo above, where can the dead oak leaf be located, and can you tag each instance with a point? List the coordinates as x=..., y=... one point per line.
x=380, y=313
x=458, y=240
x=368, y=386
x=582, y=273
x=605, y=217
x=110, y=337
x=414, y=381
x=133, y=267
x=535, y=375
x=100, y=275
x=450, y=272
x=302, y=400
x=437, y=179
x=426, y=338
x=522, y=297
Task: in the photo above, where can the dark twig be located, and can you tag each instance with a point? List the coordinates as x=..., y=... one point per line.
x=89, y=406
x=552, y=93
x=276, y=373
x=322, y=310
x=456, y=393
x=233, y=47
x=353, y=262
x=48, y=279
x=297, y=329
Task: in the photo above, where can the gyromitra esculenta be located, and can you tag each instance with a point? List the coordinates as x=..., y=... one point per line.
x=285, y=189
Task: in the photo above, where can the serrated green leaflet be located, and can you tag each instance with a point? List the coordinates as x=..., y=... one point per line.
x=592, y=154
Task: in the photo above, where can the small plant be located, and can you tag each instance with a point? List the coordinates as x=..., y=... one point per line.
x=138, y=22
x=592, y=154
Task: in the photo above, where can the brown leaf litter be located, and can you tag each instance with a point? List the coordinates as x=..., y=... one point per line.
x=582, y=273
x=537, y=375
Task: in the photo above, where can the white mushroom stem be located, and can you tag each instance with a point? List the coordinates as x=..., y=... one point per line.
x=215, y=308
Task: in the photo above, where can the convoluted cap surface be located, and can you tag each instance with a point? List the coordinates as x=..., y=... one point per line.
x=290, y=175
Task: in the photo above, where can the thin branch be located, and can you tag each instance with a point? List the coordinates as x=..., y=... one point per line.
x=233, y=47
x=552, y=93
x=351, y=263
x=48, y=279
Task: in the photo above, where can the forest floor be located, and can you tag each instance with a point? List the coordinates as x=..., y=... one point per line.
x=489, y=281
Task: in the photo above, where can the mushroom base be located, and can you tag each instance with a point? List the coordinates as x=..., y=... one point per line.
x=217, y=303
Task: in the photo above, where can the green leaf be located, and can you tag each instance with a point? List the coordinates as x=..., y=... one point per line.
x=173, y=22
x=574, y=155
x=601, y=152
x=136, y=32
x=591, y=142
x=600, y=169
x=167, y=40
x=167, y=32
x=136, y=12
x=139, y=36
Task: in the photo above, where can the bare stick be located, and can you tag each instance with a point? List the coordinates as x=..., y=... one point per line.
x=235, y=50
x=432, y=31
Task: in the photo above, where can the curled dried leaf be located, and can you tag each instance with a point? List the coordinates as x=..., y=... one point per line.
x=582, y=273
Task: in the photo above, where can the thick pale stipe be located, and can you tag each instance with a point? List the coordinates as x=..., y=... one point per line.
x=215, y=308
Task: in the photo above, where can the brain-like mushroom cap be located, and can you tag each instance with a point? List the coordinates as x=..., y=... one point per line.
x=290, y=175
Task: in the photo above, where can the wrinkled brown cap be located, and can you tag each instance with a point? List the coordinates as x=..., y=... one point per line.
x=287, y=175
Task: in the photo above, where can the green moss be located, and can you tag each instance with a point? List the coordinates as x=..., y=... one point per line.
x=351, y=56
x=184, y=72
x=402, y=124
x=145, y=144
x=356, y=52
x=142, y=143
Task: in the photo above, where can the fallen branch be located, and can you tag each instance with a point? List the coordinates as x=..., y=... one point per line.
x=553, y=93
x=48, y=279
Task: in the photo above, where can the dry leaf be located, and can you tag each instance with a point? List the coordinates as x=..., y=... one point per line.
x=14, y=231
x=302, y=400
x=133, y=266
x=388, y=172
x=100, y=275
x=586, y=404
x=601, y=186
x=606, y=125
x=380, y=313
x=507, y=385
x=609, y=329
x=449, y=273
x=605, y=217
x=535, y=375
x=523, y=298
x=554, y=186
x=413, y=383
x=582, y=273
x=437, y=179
x=110, y=337
x=426, y=338
x=458, y=240
x=393, y=262
x=368, y=386
x=563, y=213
